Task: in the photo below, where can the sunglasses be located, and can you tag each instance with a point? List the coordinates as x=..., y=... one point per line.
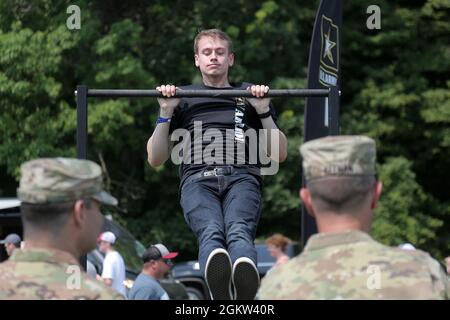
x=167, y=261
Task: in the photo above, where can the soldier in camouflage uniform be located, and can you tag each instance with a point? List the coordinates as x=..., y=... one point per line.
x=61, y=217
x=342, y=261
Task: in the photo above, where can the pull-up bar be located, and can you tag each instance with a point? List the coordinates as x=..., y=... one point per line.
x=180, y=93
x=82, y=93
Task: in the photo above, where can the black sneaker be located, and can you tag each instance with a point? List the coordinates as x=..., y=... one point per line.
x=245, y=279
x=218, y=274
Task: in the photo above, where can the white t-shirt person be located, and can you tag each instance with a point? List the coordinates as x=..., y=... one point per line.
x=113, y=265
x=114, y=269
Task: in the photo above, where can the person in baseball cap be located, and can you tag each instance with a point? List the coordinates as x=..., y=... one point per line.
x=157, y=264
x=61, y=218
x=341, y=194
x=113, y=271
x=107, y=236
x=158, y=251
x=11, y=242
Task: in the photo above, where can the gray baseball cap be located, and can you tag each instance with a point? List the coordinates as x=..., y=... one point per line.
x=12, y=238
x=158, y=251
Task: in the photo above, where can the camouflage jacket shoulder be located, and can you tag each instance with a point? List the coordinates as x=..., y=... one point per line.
x=351, y=265
x=32, y=274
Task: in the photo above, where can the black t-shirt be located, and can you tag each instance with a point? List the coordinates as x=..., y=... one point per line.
x=216, y=131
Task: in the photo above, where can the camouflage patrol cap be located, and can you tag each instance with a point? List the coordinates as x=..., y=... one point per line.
x=52, y=180
x=338, y=156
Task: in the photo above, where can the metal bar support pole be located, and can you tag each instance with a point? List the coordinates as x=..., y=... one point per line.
x=333, y=114
x=82, y=121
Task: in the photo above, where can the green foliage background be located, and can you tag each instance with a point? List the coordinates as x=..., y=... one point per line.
x=396, y=89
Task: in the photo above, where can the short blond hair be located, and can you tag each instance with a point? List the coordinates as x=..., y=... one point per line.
x=213, y=33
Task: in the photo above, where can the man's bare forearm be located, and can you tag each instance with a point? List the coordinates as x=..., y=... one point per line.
x=262, y=107
x=158, y=146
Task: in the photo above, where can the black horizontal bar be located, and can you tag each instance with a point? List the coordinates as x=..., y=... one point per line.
x=207, y=93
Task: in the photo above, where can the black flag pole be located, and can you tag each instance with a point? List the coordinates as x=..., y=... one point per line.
x=323, y=72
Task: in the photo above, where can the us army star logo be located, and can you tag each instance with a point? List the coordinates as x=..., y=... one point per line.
x=328, y=46
x=329, y=53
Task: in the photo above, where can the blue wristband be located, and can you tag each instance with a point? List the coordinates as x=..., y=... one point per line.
x=162, y=120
